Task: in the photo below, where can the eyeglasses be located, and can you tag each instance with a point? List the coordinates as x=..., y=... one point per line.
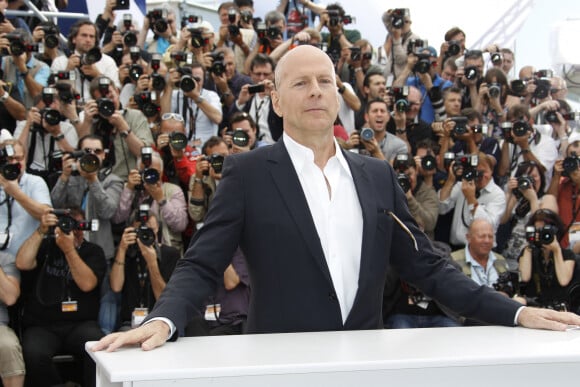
x=95, y=151
x=172, y=116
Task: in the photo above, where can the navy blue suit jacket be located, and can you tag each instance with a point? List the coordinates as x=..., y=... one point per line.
x=260, y=206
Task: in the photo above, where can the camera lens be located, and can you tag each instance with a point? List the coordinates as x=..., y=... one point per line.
x=135, y=72
x=90, y=163
x=453, y=48
x=428, y=163
x=146, y=235
x=178, y=141
x=106, y=107
x=494, y=90
x=160, y=25
x=217, y=162
x=10, y=171
x=66, y=224
x=51, y=41
x=367, y=134
x=240, y=138
x=402, y=105
x=51, y=116
x=150, y=176
x=520, y=128
x=158, y=82
x=92, y=56
x=404, y=182
x=187, y=83
x=130, y=39
x=570, y=164
x=547, y=234
x=470, y=72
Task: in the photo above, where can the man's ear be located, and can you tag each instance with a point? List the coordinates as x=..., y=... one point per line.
x=276, y=102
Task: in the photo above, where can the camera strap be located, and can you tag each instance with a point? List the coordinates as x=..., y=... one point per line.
x=575, y=209
x=6, y=234
x=143, y=279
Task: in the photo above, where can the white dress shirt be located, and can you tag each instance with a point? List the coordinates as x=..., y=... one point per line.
x=337, y=215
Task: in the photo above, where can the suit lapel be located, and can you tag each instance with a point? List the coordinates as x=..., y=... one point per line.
x=365, y=192
x=290, y=190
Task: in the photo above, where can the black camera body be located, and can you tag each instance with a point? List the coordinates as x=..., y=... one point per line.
x=50, y=35
x=423, y=65
x=448, y=158
x=216, y=161
x=537, y=237
x=218, y=66
x=257, y=88
x=543, y=87
x=494, y=90
x=91, y=57
x=189, y=20
x=122, y=5
x=144, y=233
x=469, y=165
x=471, y=73
x=415, y=46
x=460, y=125
x=400, y=95
x=158, y=20
x=404, y=182
x=273, y=32
x=181, y=56
x=570, y=164
x=145, y=103
x=397, y=19
x=105, y=107
x=7, y=170
x=525, y=182
x=197, y=39
x=64, y=76
x=67, y=223
x=148, y=175
x=186, y=83
x=453, y=48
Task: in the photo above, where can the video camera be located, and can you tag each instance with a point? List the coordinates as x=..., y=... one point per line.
x=468, y=163
x=67, y=223
x=7, y=170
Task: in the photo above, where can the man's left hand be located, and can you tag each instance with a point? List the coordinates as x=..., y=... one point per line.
x=538, y=318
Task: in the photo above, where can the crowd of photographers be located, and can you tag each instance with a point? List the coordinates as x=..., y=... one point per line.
x=113, y=145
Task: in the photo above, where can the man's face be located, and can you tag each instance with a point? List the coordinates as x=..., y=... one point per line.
x=306, y=96
x=448, y=74
x=85, y=38
x=366, y=63
x=3, y=5
x=412, y=173
x=507, y=63
x=480, y=239
x=377, y=87
x=246, y=127
x=198, y=76
x=378, y=116
x=453, y=104
x=95, y=147
x=220, y=149
x=486, y=174
x=260, y=73
x=558, y=88
x=223, y=14
x=230, y=66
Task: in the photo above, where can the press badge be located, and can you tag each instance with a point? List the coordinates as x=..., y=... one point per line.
x=138, y=316
x=69, y=306
x=574, y=234
x=212, y=312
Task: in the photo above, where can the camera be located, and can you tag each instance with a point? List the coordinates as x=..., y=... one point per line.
x=105, y=107
x=50, y=34
x=181, y=56
x=355, y=53
x=470, y=73
x=122, y=5
x=64, y=75
x=66, y=93
x=539, y=236
x=400, y=95
x=479, y=128
x=233, y=29
x=144, y=101
x=158, y=19
x=404, y=182
x=240, y=137
x=144, y=233
x=273, y=32
x=428, y=163
x=157, y=80
x=398, y=15
x=9, y=171
x=88, y=162
x=496, y=58
x=197, y=39
x=448, y=158
x=520, y=127
x=508, y=283
x=367, y=134
x=246, y=16
x=469, y=165
x=416, y=46
x=67, y=223
x=552, y=117
x=130, y=39
x=570, y=164
x=454, y=48
x=518, y=86
x=402, y=162
x=217, y=163
x=190, y=19
x=177, y=140
x=524, y=182
x=186, y=82
x=218, y=66
x=49, y=95
x=460, y=125
x=543, y=87
x=423, y=65
x=51, y=116
x=148, y=174
x=258, y=88
x=494, y=90
x=91, y=57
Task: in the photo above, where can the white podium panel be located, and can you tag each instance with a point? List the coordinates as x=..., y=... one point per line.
x=467, y=356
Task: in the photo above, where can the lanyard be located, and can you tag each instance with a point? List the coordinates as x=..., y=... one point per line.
x=8, y=200
x=258, y=109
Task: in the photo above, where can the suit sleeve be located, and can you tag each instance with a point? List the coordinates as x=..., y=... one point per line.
x=210, y=252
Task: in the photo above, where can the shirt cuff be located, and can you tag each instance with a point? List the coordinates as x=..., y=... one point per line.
x=517, y=315
x=171, y=325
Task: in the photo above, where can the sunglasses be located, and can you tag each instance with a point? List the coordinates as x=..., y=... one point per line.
x=172, y=116
x=95, y=151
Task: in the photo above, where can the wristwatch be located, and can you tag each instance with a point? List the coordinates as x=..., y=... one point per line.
x=4, y=97
x=58, y=137
x=199, y=100
x=125, y=133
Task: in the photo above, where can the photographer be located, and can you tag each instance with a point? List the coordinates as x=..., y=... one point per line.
x=166, y=200
x=134, y=75
x=234, y=36
x=494, y=100
x=86, y=59
x=354, y=63
x=23, y=196
x=255, y=100
x=178, y=156
x=471, y=192
x=564, y=186
x=398, y=25
x=546, y=269
x=524, y=196
x=48, y=129
x=47, y=33
x=141, y=269
x=374, y=87
x=163, y=23
x=61, y=278
x=522, y=142
x=421, y=72
x=200, y=107
x=124, y=131
x=452, y=48
x=241, y=142
x=382, y=144
x=203, y=184
x=422, y=199
x=270, y=36
x=28, y=74
x=334, y=19
x=469, y=77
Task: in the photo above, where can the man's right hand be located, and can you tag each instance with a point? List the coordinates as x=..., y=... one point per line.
x=148, y=336
x=74, y=61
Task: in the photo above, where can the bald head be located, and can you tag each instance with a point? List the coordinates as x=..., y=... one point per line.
x=295, y=57
x=478, y=225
